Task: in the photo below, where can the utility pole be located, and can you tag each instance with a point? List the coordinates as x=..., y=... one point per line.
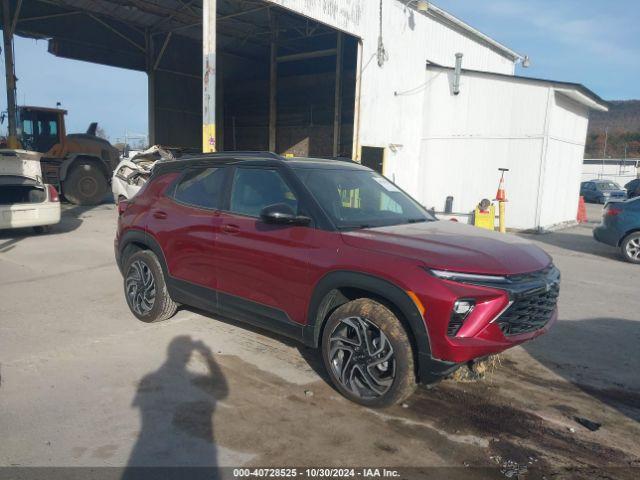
x=604, y=152
x=9, y=67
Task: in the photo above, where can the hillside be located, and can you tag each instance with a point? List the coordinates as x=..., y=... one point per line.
x=623, y=121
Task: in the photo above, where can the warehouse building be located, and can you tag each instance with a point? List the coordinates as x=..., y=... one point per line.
x=366, y=79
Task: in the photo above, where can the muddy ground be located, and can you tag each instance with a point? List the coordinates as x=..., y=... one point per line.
x=83, y=384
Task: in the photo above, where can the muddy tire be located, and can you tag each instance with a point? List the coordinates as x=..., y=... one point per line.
x=85, y=185
x=630, y=248
x=368, y=354
x=145, y=288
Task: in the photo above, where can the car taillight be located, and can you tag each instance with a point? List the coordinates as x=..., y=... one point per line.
x=122, y=206
x=53, y=194
x=612, y=211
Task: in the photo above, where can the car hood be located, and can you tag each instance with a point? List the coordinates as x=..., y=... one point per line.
x=614, y=192
x=453, y=246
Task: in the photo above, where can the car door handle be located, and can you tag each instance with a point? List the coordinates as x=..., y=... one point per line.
x=231, y=229
x=160, y=215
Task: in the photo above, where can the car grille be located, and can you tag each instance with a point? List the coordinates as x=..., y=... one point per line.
x=530, y=311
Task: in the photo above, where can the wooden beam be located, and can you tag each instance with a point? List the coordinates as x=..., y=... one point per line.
x=273, y=83
x=16, y=15
x=356, y=154
x=117, y=32
x=164, y=47
x=337, y=110
x=307, y=55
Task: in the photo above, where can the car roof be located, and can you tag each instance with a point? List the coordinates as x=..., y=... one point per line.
x=251, y=158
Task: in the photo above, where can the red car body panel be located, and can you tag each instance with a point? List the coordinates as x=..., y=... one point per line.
x=280, y=266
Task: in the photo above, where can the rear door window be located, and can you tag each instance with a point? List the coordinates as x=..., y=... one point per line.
x=202, y=188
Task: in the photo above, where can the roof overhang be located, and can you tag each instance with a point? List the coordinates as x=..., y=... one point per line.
x=575, y=91
x=454, y=22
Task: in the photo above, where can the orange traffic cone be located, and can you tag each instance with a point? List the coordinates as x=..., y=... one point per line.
x=582, y=211
x=501, y=196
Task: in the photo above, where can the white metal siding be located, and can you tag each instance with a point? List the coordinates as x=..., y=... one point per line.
x=564, y=158
x=502, y=122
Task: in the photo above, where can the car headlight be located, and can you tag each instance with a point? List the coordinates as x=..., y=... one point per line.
x=467, y=277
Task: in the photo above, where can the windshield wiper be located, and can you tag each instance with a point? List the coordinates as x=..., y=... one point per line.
x=355, y=227
x=417, y=220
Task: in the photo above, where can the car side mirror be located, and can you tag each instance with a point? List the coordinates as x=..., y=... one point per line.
x=282, y=214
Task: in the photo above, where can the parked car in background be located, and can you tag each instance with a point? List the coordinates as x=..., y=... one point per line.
x=25, y=200
x=336, y=256
x=602, y=191
x=633, y=188
x=620, y=228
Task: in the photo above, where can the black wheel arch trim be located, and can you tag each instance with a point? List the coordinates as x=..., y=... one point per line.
x=626, y=235
x=142, y=238
x=326, y=296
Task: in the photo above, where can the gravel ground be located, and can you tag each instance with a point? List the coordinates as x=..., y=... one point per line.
x=84, y=384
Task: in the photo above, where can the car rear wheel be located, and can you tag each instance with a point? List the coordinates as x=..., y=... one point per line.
x=368, y=355
x=145, y=288
x=630, y=248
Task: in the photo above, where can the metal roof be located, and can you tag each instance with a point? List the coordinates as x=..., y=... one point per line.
x=118, y=32
x=576, y=91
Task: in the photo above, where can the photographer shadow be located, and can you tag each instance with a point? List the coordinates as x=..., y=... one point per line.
x=176, y=438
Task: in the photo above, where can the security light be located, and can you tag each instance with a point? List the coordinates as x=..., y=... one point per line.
x=421, y=5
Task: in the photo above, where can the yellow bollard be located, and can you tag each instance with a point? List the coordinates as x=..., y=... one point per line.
x=501, y=217
x=501, y=198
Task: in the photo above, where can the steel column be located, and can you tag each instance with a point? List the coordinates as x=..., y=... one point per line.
x=209, y=75
x=337, y=109
x=273, y=83
x=7, y=34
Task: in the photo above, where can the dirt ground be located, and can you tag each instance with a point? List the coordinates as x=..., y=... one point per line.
x=83, y=384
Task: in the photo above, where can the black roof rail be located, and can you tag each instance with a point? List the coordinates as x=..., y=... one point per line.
x=337, y=159
x=233, y=154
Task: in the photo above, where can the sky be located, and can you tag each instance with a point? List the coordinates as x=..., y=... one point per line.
x=596, y=43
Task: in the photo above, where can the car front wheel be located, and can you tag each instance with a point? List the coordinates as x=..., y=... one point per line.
x=145, y=289
x=630, y=248
x=368, y=355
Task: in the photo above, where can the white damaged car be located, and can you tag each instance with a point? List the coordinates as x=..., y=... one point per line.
x=132, y=173
x=25, y=200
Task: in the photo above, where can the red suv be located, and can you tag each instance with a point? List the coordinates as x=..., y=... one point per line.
x=336, y=256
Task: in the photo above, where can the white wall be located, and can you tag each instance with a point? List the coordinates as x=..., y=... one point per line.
x=502, y=122
x=559, y=193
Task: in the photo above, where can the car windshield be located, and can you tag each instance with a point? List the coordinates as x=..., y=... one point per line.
x=608, y=186
x=357, y=199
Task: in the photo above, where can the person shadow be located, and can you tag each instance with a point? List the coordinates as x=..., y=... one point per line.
x=176, y=438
